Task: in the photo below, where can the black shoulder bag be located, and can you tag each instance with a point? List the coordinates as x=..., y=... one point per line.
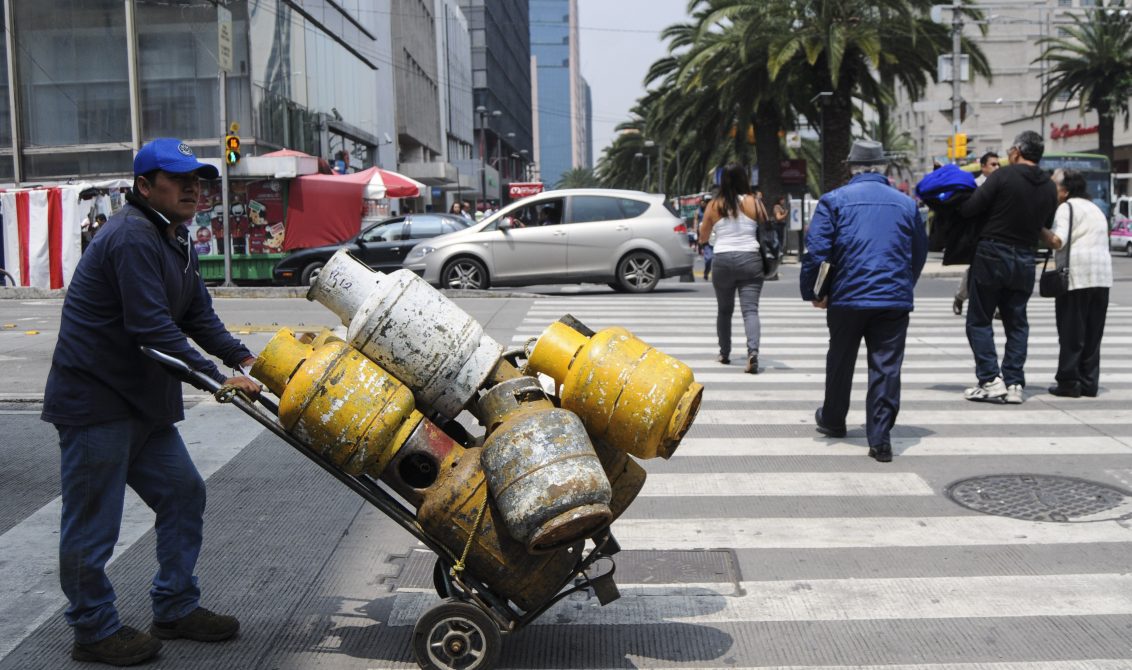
x=1055, y=283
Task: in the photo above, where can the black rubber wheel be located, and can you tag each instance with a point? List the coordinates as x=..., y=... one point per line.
x=440, y=578
x=456, y=635
x=310, y=273
x=1127, y=250
x=464, y=273
x=638, y=272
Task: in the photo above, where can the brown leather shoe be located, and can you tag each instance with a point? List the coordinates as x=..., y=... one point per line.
x=201, y=625
x=126, y=646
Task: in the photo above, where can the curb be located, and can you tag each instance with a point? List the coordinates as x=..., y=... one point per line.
x=32, y=293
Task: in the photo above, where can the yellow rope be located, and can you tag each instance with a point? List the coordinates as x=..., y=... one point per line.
x=459, y=566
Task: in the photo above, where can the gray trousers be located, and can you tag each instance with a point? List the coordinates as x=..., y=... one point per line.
x=742, y=272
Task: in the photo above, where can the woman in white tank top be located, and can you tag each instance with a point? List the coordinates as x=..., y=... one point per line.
x=735, y=217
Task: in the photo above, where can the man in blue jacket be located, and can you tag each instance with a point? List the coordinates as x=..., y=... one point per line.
x=875, y=241
x=137, y=284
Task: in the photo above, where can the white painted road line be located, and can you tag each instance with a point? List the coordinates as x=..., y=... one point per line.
x=960, y=415
x=831, y=533
x=710, y=447
x=686, y=485
x=715, y=393
x=30, y=592
x=903, y=599
x=1098, y=664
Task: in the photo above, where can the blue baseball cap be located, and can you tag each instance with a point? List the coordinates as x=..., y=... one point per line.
x=170, y=154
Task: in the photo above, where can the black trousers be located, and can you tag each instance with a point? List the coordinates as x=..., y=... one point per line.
x=884, y=332
x=1080, y=326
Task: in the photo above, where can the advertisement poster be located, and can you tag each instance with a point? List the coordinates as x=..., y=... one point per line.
x=255, y=218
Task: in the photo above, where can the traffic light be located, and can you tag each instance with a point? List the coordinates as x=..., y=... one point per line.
x=960, y=145
x=232, y=149
x=950, y=147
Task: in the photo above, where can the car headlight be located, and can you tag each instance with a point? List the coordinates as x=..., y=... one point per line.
x=418, y=253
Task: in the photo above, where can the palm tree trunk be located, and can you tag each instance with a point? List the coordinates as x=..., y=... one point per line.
x=837, y=128
x=768, y=151
x=1105, y=130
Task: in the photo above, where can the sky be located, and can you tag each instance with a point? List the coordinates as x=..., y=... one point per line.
x=619, y=40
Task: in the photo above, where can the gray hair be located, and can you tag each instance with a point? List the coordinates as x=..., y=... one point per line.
x=1030, y=145
x=856, y=169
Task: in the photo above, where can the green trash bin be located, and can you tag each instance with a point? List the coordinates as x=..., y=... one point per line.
x=245, y=267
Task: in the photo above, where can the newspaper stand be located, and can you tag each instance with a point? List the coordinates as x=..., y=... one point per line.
x=464, y=631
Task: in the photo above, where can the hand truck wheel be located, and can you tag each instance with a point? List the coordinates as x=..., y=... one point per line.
x=440, y=579
x=456, y=635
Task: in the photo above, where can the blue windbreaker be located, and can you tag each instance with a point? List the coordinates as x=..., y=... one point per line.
x=875, y=239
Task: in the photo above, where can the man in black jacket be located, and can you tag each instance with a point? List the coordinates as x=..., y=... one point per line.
x=138, y=284
x=1016, y=202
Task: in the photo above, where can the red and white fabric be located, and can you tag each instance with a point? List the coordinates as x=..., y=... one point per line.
x=42, y=235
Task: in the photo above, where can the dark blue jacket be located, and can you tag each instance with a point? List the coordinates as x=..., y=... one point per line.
x=875, y=239
x=133, y=286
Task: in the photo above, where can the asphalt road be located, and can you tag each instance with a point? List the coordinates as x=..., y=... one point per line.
x=758, y=545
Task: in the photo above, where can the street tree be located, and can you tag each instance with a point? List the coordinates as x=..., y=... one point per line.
x=1092, y=63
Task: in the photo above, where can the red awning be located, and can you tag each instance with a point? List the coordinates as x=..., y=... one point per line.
x=324, y=209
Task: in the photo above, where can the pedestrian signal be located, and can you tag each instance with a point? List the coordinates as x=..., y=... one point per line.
x=231, y=149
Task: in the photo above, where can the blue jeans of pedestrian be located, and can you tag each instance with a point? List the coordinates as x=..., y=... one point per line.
x=885, y=332
x=738, y=272
x=1002, y=278
x=98, y=462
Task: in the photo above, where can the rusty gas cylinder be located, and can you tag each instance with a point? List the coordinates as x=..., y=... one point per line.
x=626, y=477
x=411, y=330
x=418, y=464
x=541, y=468
x=449, y=513
x=627, y=393
x=337, y=401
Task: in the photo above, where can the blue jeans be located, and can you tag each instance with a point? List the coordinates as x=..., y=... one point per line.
x=1002, y=278
x=97, y=464
x=738, y=272
x=884, y=332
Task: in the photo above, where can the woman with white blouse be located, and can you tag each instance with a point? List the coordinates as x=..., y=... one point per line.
x=1082, y=310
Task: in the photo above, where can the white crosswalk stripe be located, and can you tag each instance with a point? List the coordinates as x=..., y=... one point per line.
x=753, y=442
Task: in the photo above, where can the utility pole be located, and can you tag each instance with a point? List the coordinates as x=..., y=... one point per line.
x=956, y=56
x=224, y=65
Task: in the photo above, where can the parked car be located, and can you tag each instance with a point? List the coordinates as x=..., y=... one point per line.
x=382, y=246
x=628, y=239
x=1120, y=237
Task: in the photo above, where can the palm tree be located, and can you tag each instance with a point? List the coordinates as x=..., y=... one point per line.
x=852, y=48
x=579, y=177
x=1093, y=62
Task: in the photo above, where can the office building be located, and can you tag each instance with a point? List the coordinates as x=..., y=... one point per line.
x=501, y=81
x=564, y=108
x=89, y=81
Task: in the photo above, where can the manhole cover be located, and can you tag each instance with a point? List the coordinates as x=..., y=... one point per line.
x=1041, y=498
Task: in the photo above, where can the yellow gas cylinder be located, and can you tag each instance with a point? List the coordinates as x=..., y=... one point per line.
x=337, y=401
x=449, y=513
x=627, y=393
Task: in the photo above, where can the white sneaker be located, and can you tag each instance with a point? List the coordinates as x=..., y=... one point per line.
x=992, y=391
x=1014, y=394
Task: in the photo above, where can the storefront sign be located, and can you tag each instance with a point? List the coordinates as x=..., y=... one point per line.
x=793, y=171
x=524, y=189
x=1063, y=131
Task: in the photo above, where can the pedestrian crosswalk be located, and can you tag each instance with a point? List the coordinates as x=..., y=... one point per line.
x=847, y=563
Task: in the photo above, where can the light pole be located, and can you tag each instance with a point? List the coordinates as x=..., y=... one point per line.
x=648, y=168
x=821, y=135
x=956, y=56
x=498, y=147
x=511, y=154
x=649, y=144
x=482, y=111
x=523, y=165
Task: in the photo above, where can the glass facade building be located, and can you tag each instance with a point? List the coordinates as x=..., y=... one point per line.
x=501, y=81
x=563, y=104
x=94, y=79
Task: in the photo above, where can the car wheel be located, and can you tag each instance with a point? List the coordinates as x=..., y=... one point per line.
x=638, y=272
x=1128, y=250
x=310, y=273
x=465, y=273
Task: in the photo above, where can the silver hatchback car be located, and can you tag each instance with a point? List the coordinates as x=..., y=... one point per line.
x=628, y=239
